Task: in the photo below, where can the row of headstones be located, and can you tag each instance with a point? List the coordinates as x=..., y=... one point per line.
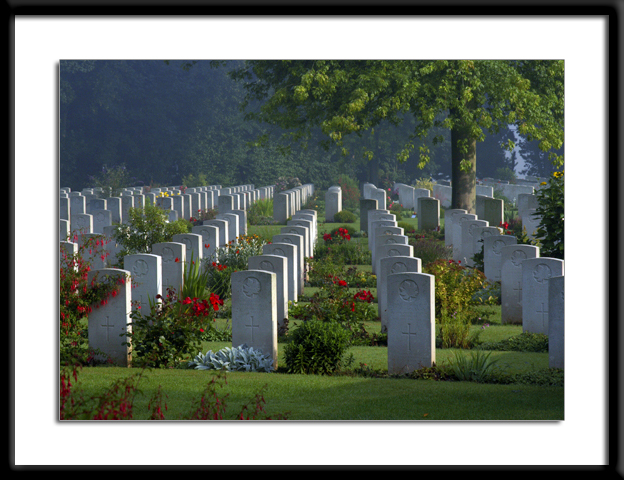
x=288, y=202
x=391, y=254
x=89, y=214
x=151, y=273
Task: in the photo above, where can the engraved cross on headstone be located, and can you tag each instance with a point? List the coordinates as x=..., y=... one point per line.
x=409, y=334
x=107, y=326
x=252, y=326
x=518, y=289
x=544, y=313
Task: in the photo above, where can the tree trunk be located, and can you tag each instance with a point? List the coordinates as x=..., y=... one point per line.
x=464, y=184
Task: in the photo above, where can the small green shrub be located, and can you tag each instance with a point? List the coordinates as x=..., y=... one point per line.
x=430, y=250
x=524, y=342
x=316, y=347
x=344, y=216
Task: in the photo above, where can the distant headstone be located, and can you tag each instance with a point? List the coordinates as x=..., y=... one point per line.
x=289, y=252
x=210, y=240
x=512, y=257
x=279, y=265
x=194, y=246
x=173, y=255
x=146, y=272
x=469, y=240
x=449, y=220
x=281, y=208
x=428, y=212
x=392, y=250
x=492, y=255
x=388, y=266
x=366, y=205
x=296, y=240
x=333, y=203
x=458, y=254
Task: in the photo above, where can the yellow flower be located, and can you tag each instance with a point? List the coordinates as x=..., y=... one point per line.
x=543, y=183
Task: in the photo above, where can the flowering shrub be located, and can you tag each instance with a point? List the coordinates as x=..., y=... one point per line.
x=78, y=298
x=203, y=214
x=172, y=329
x=396, y=209
x=338, y=247
x=234, y=257
x=286, y=183
x=335, y=303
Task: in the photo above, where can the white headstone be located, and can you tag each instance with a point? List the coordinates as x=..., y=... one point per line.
x=254, y=311
x=173, y=255
x=556, y=322
x=388, y=266
x=492, y=255
x=512, y=257
x=109, y=325
x=278, y=265
x=411, y=322
x=536, y=275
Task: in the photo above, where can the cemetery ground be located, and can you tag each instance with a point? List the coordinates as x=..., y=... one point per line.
x=517, y=386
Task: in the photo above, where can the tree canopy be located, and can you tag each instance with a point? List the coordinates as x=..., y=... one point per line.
x=469, y=98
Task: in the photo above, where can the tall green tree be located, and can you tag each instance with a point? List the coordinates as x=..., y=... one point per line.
x=469, y=98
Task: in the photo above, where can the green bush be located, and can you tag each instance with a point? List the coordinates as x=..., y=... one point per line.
x=506, y=174
x=455, y=299
x=316, y=347
x=550, y=200
x=429, y=250
x=145, y=227
x=524, y=342
x=344, y=216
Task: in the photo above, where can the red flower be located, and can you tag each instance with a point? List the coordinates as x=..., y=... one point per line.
x=342, y=283
x=177, y=260
x=207, y=245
